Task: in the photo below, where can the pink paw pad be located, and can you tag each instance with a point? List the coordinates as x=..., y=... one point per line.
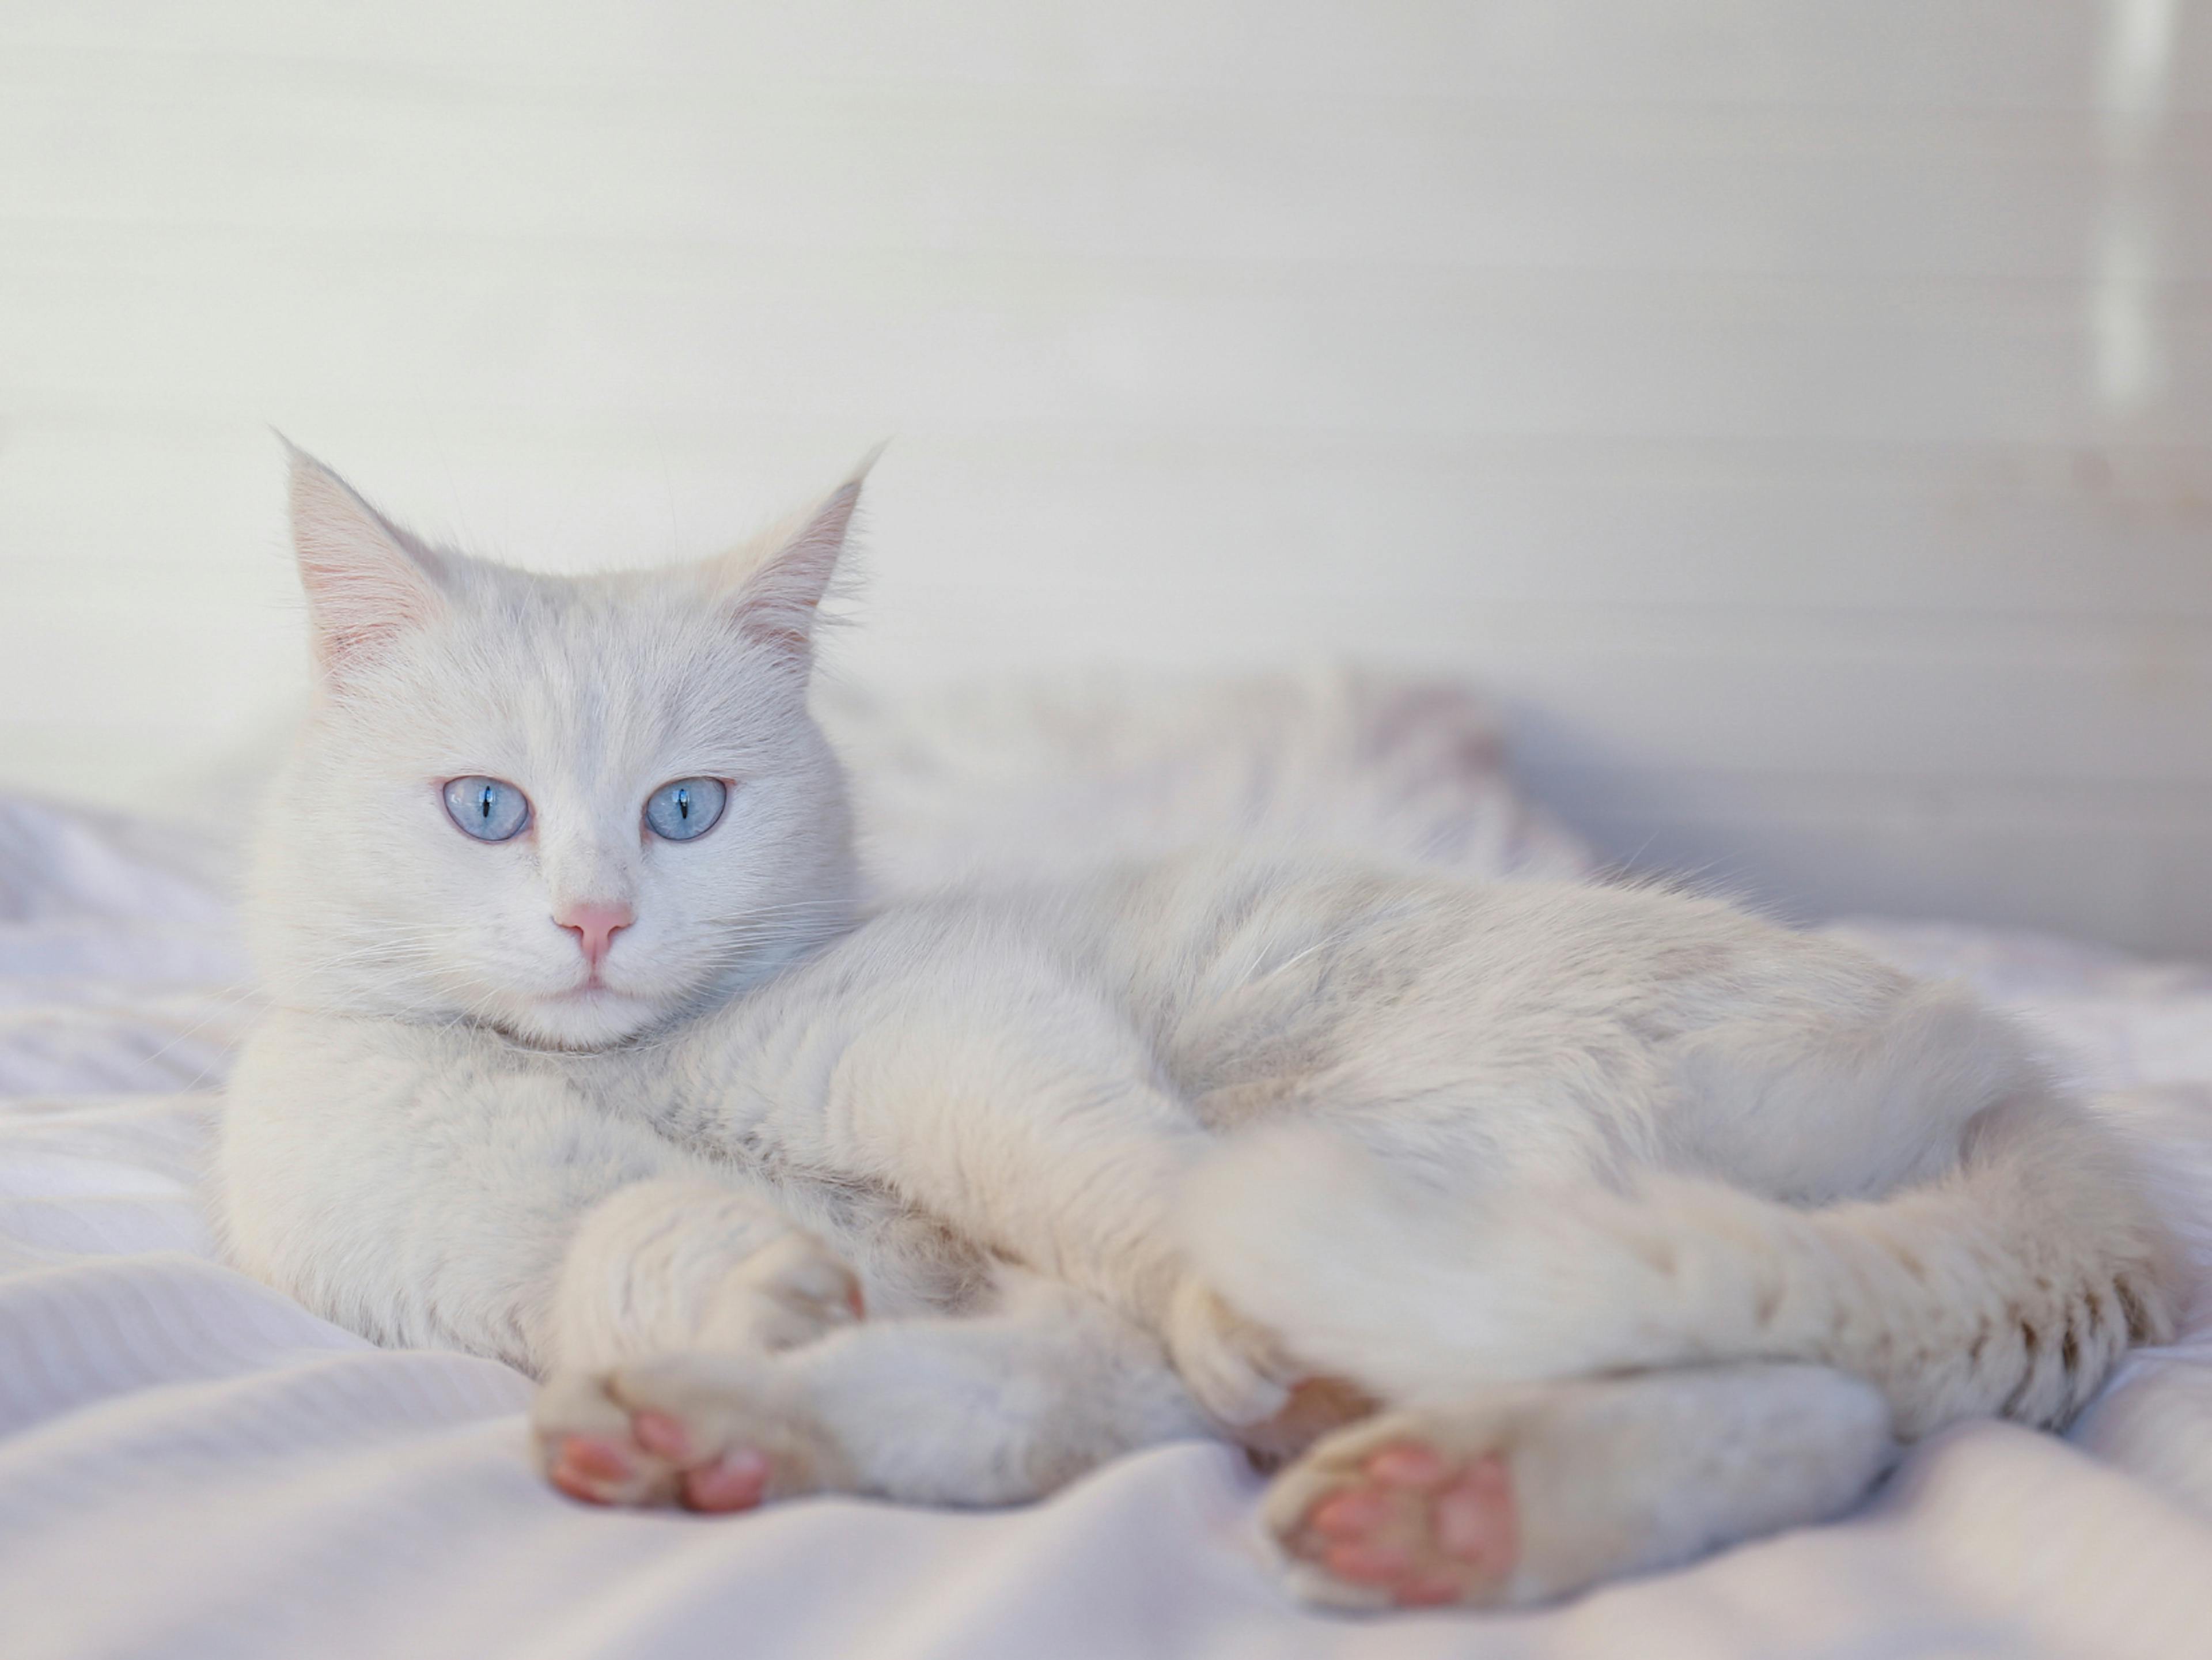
x=736, y=1481
x=588, y=1466
x=657, y=1432
x=1417, y=1526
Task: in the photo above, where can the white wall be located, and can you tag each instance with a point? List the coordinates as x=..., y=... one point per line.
x=1800, y=409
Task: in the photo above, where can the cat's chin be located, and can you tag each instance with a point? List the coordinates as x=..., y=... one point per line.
x=592, y=1019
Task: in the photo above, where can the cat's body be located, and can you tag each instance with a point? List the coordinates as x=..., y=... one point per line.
x=1594, y=1185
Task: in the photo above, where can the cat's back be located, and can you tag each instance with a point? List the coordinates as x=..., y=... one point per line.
x=1296, y=937
x=1203, y=922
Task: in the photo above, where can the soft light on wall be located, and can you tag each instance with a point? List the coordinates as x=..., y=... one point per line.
x=1798, y=412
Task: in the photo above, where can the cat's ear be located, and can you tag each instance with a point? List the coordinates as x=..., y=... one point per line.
x=773, y=586
x=368, y=581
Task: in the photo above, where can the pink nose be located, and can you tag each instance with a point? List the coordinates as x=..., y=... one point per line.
x=595, y=923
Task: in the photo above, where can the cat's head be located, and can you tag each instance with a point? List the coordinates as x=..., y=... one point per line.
x=572, y=809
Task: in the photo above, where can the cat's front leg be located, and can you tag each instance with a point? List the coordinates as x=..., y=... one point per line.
x=1031, y=1116
x=998, y=1409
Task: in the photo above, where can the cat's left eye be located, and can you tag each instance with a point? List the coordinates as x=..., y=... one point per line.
x=686, y=808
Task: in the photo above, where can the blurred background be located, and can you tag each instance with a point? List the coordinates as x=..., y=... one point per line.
x=1798, y=412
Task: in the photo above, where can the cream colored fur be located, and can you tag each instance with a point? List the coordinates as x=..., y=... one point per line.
x=953, y=1198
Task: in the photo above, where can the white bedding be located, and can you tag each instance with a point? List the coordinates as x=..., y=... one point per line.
x=189, y=1464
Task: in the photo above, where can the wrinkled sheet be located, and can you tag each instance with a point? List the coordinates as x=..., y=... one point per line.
x=191, y=1464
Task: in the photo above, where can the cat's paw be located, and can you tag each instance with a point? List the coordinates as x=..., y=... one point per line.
x=791, y=1291
x=1383, y=1516
x=1234, y=1368
x=672, y=1267
x=587, y=1445
x=1522, y=1494
x=712, y=1432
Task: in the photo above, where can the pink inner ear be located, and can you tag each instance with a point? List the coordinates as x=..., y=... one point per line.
x=364, y=585
x=359, y=624
x=355, y=613
x=778, y=603
x=790, y=643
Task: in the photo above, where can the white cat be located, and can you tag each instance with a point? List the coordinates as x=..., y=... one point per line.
x=1652, y=1226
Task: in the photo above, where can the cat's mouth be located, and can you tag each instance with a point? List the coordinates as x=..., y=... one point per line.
x=592, y=992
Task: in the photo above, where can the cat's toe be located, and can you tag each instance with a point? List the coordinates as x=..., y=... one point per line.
x=733, y=1479
x=737, y=1481
x=732, y=1426
x=814, y=1284
x=600, y=1471
x=787, y=1293
x=597, y=1443
x=588, y=1446
x=1234, y=1367
x=1384, y=1519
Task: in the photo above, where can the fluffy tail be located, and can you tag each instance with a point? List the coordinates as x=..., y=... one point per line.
x=2010, y=1284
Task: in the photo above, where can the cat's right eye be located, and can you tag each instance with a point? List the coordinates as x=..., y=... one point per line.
x=487, y=808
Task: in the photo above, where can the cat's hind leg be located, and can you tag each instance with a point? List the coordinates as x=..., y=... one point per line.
x=1525, y=1493
x=996, y=1409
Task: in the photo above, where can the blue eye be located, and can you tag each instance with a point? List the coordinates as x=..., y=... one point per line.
x=487, y=809
x=686, y=808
